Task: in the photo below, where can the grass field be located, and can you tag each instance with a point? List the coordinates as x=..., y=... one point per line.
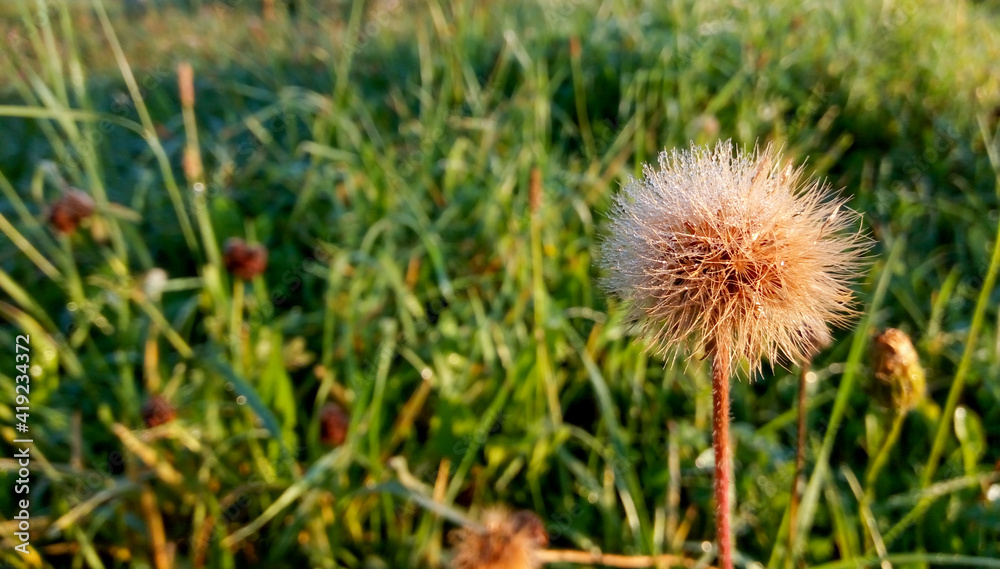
x=430, y=179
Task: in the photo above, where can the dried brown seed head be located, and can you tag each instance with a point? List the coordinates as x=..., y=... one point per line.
x=720, y=245
x=69, y=210
x=333, y=424
x=157, y=411
x=507, y=541
x=243, y=260
x=901, y=383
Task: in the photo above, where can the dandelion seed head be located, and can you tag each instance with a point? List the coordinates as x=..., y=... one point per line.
x=506, y=541
x=721, y=245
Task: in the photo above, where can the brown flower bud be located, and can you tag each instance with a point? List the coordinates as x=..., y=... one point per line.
x=69, y=210
x=900, y=378
x=157, y=411
x=243, y=260
x=333, y=424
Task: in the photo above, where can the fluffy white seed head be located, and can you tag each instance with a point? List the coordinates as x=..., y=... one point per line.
x=720, y=245
x=507, y=540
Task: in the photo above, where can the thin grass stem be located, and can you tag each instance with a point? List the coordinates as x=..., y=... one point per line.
x=800, y=459
x=883, y=454
x=610, y=560
x=978, y=316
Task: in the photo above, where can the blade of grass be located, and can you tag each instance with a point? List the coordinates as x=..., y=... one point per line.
x=958, y=384
x=978, y=316
x=333, y=460
x=539, y=295
x=866, y=515
x=149, y=129
x=861, y=335
x=29, y=251
x=624, y=469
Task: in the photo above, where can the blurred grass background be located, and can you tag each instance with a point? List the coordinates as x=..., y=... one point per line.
x=386, y=153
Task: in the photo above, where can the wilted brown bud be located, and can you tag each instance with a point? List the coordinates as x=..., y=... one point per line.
x=900, y=378
x=243, y=260
x=333, y=424
x=506, y=541
x=67, y=212
x=157, y=411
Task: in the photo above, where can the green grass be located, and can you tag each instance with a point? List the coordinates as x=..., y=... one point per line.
x=383, y=152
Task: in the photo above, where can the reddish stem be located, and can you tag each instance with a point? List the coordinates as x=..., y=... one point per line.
x=720, y=443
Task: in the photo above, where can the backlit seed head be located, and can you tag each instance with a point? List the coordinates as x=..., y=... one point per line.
x=901, y=383
x=507, y=541
x=721, y=245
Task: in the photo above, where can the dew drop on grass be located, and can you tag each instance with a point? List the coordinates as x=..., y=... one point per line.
x=241, y=400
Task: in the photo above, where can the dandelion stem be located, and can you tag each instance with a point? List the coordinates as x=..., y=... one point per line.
x=720, y=443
